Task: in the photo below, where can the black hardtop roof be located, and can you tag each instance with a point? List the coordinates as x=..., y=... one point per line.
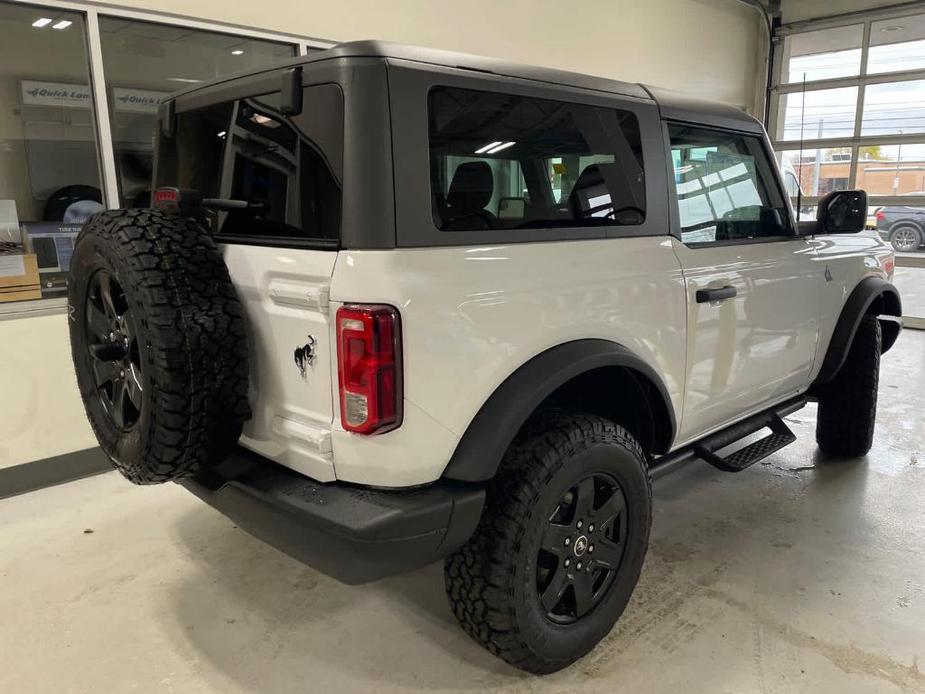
x=673, y=105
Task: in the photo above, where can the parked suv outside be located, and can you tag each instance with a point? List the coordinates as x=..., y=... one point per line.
x=396, y=305
x=902, y=226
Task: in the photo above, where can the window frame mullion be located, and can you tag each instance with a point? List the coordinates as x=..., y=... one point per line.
x=108, y=173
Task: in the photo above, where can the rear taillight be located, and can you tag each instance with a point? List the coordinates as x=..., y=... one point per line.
x=176, y=200
x=166, y=199
x=888, y=265
x=879, y=214
x=369, y=368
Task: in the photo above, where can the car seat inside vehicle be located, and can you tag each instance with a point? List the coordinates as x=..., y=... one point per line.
x=470, y=191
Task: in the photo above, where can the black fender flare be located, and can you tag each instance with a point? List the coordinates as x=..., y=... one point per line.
x=873, y=296
x=491, y=431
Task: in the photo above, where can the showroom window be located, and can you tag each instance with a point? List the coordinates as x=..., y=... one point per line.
x=145, y=61
x=49, y=162
x=848, y=111
x=80, y=91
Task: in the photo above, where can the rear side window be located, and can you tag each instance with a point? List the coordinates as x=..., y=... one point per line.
x=725, y=185
x=192, y=158
x=500, y=161
x=288, y=170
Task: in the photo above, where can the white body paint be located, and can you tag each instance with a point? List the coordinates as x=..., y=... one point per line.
x=471, y=316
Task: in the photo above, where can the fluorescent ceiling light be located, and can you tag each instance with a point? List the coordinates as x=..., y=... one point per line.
x=63, y=24
x=222, y=133
x=482, y=150
x=182, y=79
x=500, y=147
x=43, y=22
x=237, y=51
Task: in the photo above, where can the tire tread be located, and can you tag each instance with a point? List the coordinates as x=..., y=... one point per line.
x=848, y=404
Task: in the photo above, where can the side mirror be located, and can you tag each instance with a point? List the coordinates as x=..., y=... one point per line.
x=512, y=208
x=839, y=212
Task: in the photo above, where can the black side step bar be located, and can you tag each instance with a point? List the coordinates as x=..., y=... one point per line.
x=706, y=448
x=779, y=437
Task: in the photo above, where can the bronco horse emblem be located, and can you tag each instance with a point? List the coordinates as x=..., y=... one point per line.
x=304, y=356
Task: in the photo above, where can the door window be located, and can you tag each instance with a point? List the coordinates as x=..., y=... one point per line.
x=725, y=186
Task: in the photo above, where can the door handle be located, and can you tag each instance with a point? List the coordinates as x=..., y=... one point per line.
x=706, y=295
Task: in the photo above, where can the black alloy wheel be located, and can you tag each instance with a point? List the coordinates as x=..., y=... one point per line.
x=114, y=350
x=582, y=548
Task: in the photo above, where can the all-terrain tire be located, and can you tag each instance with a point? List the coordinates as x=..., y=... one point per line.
x=848, y=404
x=158, y=285
x=492, y=581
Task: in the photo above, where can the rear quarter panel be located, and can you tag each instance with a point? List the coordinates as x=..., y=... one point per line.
x=472, y=315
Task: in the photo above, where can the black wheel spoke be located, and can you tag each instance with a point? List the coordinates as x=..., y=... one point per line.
x=584, y=499
x=555, y=536
x=106, y=294
x=584, y=599
x=118, y=403
x=107, y=351
x=609, y=510
x=105, y=372
x=97, y=323
x=607, y=554
x=133, y=387
x=554, y=591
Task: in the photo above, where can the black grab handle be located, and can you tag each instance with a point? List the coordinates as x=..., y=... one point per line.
x=707, y=295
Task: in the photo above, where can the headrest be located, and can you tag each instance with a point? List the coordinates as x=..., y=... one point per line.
x=590, y=184
x=471, y=187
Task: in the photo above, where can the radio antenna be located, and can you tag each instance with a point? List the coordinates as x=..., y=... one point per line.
x=800, y=173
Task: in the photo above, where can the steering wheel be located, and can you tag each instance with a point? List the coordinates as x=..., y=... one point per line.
x=613, y=212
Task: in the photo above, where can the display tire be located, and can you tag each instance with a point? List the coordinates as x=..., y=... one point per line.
x=498, y=582
x=848, y=403
x=159, y=343
x=61, y=199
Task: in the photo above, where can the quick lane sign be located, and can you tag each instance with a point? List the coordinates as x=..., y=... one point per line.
x=60, y=94
x=55, y=94
x=140, y=100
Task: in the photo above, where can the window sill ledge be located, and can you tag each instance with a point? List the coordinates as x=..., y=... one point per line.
x=28, y=309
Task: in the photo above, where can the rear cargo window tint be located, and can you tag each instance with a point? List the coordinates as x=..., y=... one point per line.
x=192, y=158
x=509, y=162
x=287, y=169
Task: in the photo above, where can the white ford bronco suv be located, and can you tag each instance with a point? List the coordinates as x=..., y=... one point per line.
x=395, y=305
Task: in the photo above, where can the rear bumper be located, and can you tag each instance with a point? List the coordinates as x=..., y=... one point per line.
x=352, y=533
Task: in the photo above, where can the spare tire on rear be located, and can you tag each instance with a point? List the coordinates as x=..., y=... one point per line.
x=159, y=344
